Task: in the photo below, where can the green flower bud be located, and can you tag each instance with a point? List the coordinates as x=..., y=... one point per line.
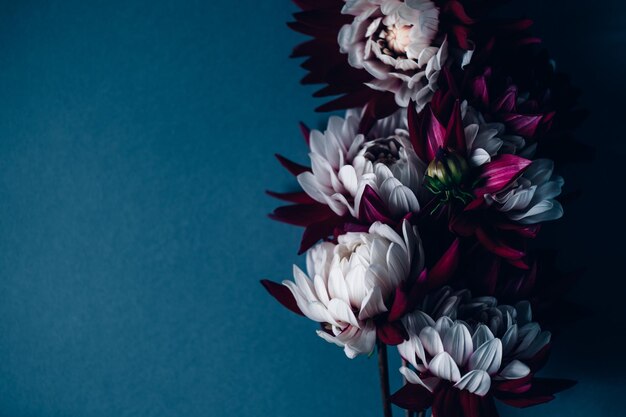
x=449, y=169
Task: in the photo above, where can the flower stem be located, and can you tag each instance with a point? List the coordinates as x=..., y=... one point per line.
x=383, y=371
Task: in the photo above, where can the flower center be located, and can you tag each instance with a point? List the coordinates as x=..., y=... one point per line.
x=394, y=40
x=385, y=151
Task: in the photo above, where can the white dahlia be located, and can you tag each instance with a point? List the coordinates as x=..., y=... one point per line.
x=484, y=139
x=351, y=282
x=396, y=42
x=490, y=344
x=531, y=198
x=344, y=162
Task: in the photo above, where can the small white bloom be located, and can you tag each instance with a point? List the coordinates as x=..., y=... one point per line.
x=485, y=140
x=344, y=162
x=485, y=343
x=349, y=283
x=531, y=198
x=396, y=42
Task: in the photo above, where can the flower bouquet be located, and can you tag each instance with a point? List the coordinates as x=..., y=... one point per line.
x=420, y=204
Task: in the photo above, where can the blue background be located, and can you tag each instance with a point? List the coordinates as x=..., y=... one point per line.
x=136, y=140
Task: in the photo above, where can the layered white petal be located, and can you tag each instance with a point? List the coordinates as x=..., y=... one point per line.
x=344, y=163
x=465, y=350
x=354, y=282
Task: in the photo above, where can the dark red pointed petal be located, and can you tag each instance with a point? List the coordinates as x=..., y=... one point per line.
x=391, y=334
x=282, y=295
x=399, y=306
x=298, y=197
x=455, y=133
x=302, y=214
x=500, y=172
x=372, y=208
x=476, y=406
x=412, y=397
x=445, y=267
x=318, y=231
x=306, y=132
x=497, y=247
x=294, y=168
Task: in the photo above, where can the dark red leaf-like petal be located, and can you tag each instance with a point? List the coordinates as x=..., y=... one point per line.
x=412, y=397
x=521, y=124
x=500, y=172
x=318, y=231
x=445, y=267
x=399, y=306
x=391, y=333
x=542, y=390
x=372, y=208
x=282, y=295
x=294, y=168
x=476, y=406
x=299, y=197
x=498, y=247
x=455, y=133
x=306, y=132
x=302, y=214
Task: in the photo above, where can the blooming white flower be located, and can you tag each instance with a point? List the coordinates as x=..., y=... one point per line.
x=485, y=140
x=396, y=42
x=531, y=198
x=491, y=343
x=344, y=162
x=349, y=283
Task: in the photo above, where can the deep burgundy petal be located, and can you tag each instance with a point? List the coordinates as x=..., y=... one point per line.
x=282, y=295
x=399, y=306
x=391, y=333
x=294, y=168
x=299, y=197
x=412, y=397
x=445, y=267
x=500, y=172
x=447, y=402
x=498, y=247
x=476, y=406
x=372, y=208
x=541, y=391
x=302, y=214
x=455, y=133
x=306, y=132
x=318, y=231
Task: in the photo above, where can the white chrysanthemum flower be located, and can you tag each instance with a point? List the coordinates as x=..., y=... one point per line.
x=531, y=198
x=395, y=41
x=348, y=284
x=344, y=162
x=485, y=140
x=492, y=343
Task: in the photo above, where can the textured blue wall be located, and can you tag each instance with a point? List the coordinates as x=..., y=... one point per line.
x=136, y=140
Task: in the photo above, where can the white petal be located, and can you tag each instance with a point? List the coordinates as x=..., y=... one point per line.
x=476, y=381
x=514, y=370
x=488, y=357
x=443, y=366
x=481, y=336
x=431, y=341
x=372, y=305
x=342, y=312
x=458, y=343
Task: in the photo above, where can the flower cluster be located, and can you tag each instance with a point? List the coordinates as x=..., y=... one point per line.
x=429, y=189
